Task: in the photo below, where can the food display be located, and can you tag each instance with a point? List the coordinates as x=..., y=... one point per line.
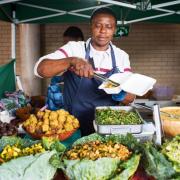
x=118, y=120
x=112, y=153
x=23, y=158
x=97, y=157
x=50, y=123
x=97, y=149
x=171, y=125
x=7, y=129
x=116, y=117
x=15, y=151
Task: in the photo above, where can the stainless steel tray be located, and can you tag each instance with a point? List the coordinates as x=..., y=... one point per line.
x=120, y=129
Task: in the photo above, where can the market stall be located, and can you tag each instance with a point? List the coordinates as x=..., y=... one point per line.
x=43, y=144
x=124, y=146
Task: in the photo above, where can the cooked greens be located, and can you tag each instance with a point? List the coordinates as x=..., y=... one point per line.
x=116, y=117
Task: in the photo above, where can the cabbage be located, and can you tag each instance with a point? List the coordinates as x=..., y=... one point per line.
x=29, y=167
x=103, y=168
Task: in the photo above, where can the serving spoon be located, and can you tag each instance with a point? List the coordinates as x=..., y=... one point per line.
x=149, y=108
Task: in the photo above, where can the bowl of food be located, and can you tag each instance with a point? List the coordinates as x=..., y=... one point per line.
x=171, y=121
x=100, y=157
x=58, y=124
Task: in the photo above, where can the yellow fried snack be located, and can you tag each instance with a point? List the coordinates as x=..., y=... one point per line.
x=51, y=122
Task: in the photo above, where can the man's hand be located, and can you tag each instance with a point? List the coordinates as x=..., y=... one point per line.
x=81, y=67
x=124, y=97
x=129, y=98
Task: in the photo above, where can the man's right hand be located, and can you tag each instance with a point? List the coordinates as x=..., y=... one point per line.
x=81, y=67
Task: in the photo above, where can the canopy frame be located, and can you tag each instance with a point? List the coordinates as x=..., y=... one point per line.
x=161, y=7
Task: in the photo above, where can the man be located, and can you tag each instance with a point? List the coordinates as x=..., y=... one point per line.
x=79, y=60
x=72, y=33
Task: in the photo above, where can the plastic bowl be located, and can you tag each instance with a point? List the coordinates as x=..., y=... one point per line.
x=171, y=126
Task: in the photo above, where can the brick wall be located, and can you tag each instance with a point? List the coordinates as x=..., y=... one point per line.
x=5, y=45
x=5, y=42
x=154, y=49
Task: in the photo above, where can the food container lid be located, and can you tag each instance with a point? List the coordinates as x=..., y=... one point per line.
x=134, y=83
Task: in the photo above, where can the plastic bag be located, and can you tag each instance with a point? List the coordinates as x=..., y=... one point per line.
x=54, y=99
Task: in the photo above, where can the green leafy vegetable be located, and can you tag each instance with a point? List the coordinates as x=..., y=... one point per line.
x=171, y=149
x=12, y=140
x=29, y=167
x=55, y=161
x=128, y=140
x=92, y=137
x=156, y=164
x=102, y=168
x=51, y=144
x=116, y=117
x=129, y=168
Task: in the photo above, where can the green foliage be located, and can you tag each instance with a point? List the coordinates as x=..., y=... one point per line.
x=29, y=167
x=128, y=168
x=127, y=140
x=101, y=169
x=51, y=144
x=156, y=164
x=12, y=140
x=171, y=150
x=85, y=139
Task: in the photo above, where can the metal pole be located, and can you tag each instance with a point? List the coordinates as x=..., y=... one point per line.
x=13, y=37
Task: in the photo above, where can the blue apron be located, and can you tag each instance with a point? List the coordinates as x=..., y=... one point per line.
x=82, y=96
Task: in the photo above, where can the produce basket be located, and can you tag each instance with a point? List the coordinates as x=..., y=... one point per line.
x=58, y=124
x=60, y=136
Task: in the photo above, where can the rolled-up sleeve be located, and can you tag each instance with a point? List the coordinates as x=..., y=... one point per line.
x=62, y=52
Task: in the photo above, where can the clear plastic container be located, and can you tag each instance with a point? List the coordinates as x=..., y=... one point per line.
x=163, y=92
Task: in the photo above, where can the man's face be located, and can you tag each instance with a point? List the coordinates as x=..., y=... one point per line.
x=102, y=27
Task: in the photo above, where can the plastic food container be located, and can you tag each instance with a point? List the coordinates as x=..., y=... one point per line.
x=119, y=129
x=134, y=83
x=163, y=92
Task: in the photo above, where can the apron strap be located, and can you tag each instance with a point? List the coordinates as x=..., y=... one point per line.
x=91, y=61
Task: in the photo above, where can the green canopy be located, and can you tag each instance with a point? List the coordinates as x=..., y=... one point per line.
x=70, y=11
x=7, y=80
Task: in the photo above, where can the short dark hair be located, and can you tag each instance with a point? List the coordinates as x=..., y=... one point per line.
x=103, y=10
x=73, y=32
